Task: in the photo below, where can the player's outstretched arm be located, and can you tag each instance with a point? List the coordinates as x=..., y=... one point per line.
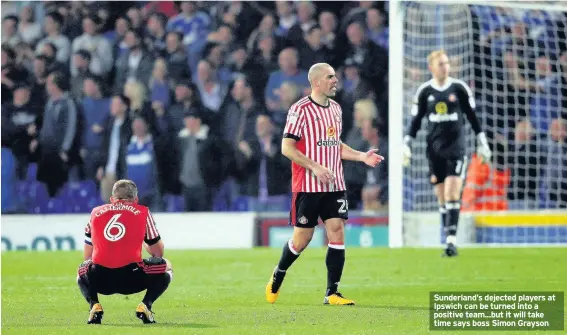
x=290, y=151
x=370, y=158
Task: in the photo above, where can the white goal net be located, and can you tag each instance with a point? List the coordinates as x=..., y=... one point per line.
x=515, y=60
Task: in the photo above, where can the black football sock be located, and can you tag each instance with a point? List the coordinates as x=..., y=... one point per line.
x=453, y=210
x=443, y=212
x=289, y=255
x=87, y=291
x=157, y=285
x=335, y=263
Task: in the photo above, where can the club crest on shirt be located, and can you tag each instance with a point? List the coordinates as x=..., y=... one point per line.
x=452, y=97
x=303, y=220
x=331, y=132
x=441, y=108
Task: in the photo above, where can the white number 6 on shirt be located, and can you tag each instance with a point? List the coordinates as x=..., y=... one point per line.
x=113, y=223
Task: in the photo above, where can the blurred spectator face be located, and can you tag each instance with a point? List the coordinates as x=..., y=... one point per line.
x=328, y=22
x=314, y=38
x=80, y=62
x=523, y=131
x=134, y=16
x=172, y=42
x=50, y=25
x=355, y=34
x=266, y=44
x=225, y=34
x=305, y=11
x=121, y=26
x=543, y=67
x=351, y=73
x=193, y=124
x=39, y=67
x=374, y=19
x=48, y=50
x=160, y=69
x=204, y=71
x=287, y=60
x=216, y=55
x=288, y=93
x=240, y=91
x=519, y=30
x=50, y=86
x=131, y=40
x=5, y=58
x=9, y=27
x=21, y=96
x=440, y=67
x=117, y=107
x=364, y=110
x=90, y=88
x=154, y=25
x=89, y=27
x=268, y=24
x=264, y=126
x=26, y=15
x=139, y=128
x=183, y=93
x=188, y=8
x=283, y=8
x=558, y=129
x=563, y=62
x=365, y=4
x=239, y=56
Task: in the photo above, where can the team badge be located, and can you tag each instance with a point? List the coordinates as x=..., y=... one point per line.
x=331, y=132
x=452, y=98
x=303, y=220
x=441, y=108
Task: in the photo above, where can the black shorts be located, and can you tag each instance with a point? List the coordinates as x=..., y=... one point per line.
x=307, y=208
x=441, y=168
x=129, y=279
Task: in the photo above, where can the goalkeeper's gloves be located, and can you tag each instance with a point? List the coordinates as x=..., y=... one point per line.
x=406, y=151
x=482, y=148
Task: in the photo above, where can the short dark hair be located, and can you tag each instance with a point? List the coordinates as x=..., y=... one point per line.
x=55, y=16
x=11, y=17
x=60, y=80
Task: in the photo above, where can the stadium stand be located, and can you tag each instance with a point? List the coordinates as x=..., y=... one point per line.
x=77, y=76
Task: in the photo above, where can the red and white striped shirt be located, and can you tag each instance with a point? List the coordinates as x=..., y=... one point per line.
x=317, y=130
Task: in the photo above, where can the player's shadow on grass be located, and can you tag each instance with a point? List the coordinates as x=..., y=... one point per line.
x=165, y=325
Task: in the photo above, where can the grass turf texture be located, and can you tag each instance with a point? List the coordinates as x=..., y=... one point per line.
x=222, y=292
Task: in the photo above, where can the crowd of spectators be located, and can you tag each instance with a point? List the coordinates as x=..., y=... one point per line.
x=184, y=98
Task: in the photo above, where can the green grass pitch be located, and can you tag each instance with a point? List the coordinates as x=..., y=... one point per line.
x=222, y=292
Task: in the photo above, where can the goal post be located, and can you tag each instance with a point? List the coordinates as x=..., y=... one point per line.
x=514, y=85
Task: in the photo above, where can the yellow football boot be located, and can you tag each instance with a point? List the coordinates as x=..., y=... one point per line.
x=95, y=315
x=271, y=297
x=337, y=299
x=143, y=313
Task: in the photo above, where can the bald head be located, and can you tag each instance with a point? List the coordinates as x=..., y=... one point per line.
x=323, y=79
x=317, y=70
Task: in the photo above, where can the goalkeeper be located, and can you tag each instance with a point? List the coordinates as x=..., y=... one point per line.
x=445, y=101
